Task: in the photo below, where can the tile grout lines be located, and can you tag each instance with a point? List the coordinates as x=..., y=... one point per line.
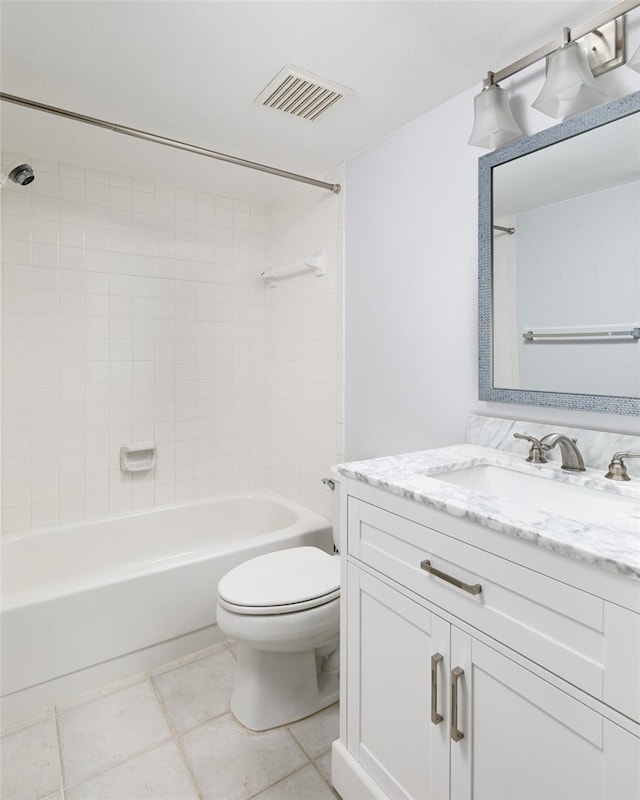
x=130, y=757
x=176, y=738
x=60, y=769
x=150, y=676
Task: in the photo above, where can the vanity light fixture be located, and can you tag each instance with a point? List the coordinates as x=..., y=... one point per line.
x=493, y=123
x=570, y=86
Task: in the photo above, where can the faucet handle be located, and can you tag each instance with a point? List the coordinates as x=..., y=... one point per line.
x=617, y=467
x=535, y=451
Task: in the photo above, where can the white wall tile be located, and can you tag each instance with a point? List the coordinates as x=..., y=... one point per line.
x=16, y=251
x=304, y=347
x=17, y=518
x=16, y=493
x=44, y=513
x=135, y=311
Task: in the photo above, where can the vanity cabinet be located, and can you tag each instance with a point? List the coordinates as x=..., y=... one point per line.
x=395, y=645
x=469, y=675
x=525, y=738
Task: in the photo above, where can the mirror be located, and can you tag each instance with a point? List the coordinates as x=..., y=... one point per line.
x=559, y=265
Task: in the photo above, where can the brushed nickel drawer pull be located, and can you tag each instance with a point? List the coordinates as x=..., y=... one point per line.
x=472, y=588
x=436, y=718
x=456, y=734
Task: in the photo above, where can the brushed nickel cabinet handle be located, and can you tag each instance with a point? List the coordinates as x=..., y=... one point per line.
x=472, y=588
x=456, y=734
x=436, y=718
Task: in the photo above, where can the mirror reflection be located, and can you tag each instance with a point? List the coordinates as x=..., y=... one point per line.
x=566, y=265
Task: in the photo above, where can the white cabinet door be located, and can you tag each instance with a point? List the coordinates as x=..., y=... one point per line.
x=390, y=731
x=524, y=739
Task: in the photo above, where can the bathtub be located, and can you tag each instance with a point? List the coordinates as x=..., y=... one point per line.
x=93, y=593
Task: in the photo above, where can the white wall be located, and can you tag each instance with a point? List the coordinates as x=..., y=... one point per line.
x=411, y=275
x=410, y=288
x=132, y=312
x=304, y=347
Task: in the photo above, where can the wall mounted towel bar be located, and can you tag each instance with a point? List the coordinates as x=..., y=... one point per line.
x=566, y=337
x=315, y=264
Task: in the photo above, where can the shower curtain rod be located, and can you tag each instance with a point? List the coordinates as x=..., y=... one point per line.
x=178, y=145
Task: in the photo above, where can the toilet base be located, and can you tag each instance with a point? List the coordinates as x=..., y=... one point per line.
x=272, y=689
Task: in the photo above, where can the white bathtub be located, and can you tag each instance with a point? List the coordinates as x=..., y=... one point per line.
x=80, y=595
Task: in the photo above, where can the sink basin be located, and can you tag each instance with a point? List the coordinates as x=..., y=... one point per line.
x=539, y=492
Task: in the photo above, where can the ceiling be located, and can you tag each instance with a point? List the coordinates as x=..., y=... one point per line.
x=191, y=70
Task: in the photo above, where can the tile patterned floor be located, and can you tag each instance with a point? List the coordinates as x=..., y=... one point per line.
x=166, y=734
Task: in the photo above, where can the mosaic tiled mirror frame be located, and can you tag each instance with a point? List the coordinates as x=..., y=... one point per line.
x=608, y=404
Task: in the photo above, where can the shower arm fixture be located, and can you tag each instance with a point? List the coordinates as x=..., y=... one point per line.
x=178, y=145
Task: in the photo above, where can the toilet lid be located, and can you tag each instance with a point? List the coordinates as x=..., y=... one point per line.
x=303, y=577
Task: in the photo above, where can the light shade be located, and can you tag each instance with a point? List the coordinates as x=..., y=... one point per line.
x=570, y=86
x=493, y=122
x=634, y=61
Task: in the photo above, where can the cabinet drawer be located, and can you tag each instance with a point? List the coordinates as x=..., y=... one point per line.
x=553, y=624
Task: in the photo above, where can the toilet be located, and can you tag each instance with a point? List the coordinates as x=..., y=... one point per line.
x=283, y=611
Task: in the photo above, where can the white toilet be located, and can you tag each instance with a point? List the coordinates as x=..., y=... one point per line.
x=283, y=610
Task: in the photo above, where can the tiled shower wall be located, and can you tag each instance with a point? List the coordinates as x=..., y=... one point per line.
x=132, y=312
x=304, y=347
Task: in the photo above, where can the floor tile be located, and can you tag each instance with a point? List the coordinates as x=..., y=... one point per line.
x=102, y=691
x=231, y=763
x=316, y=733
x=306, y=784
x=159, y=774
x=198, y=691
x=26, y=721
x=109, y=730
x=324, y=765
x=187, y=659
x=30, y=763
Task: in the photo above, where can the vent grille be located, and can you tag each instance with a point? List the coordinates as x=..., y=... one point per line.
x=300, y=93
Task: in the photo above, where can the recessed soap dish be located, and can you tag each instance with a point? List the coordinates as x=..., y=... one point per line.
x=138, y=457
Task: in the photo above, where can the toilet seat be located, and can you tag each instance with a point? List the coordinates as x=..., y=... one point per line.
x=281, y=582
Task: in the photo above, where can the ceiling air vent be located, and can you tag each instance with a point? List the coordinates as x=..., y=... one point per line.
x=301, y=93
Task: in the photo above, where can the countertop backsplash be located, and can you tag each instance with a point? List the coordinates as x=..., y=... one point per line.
x=596, y=447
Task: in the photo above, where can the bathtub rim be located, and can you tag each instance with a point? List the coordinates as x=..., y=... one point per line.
x=306, y=521
x=58, y=527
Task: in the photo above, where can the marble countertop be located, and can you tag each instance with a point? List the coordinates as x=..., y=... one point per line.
x=613, y=544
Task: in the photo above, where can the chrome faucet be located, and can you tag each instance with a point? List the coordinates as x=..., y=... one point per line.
x=571, y=456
